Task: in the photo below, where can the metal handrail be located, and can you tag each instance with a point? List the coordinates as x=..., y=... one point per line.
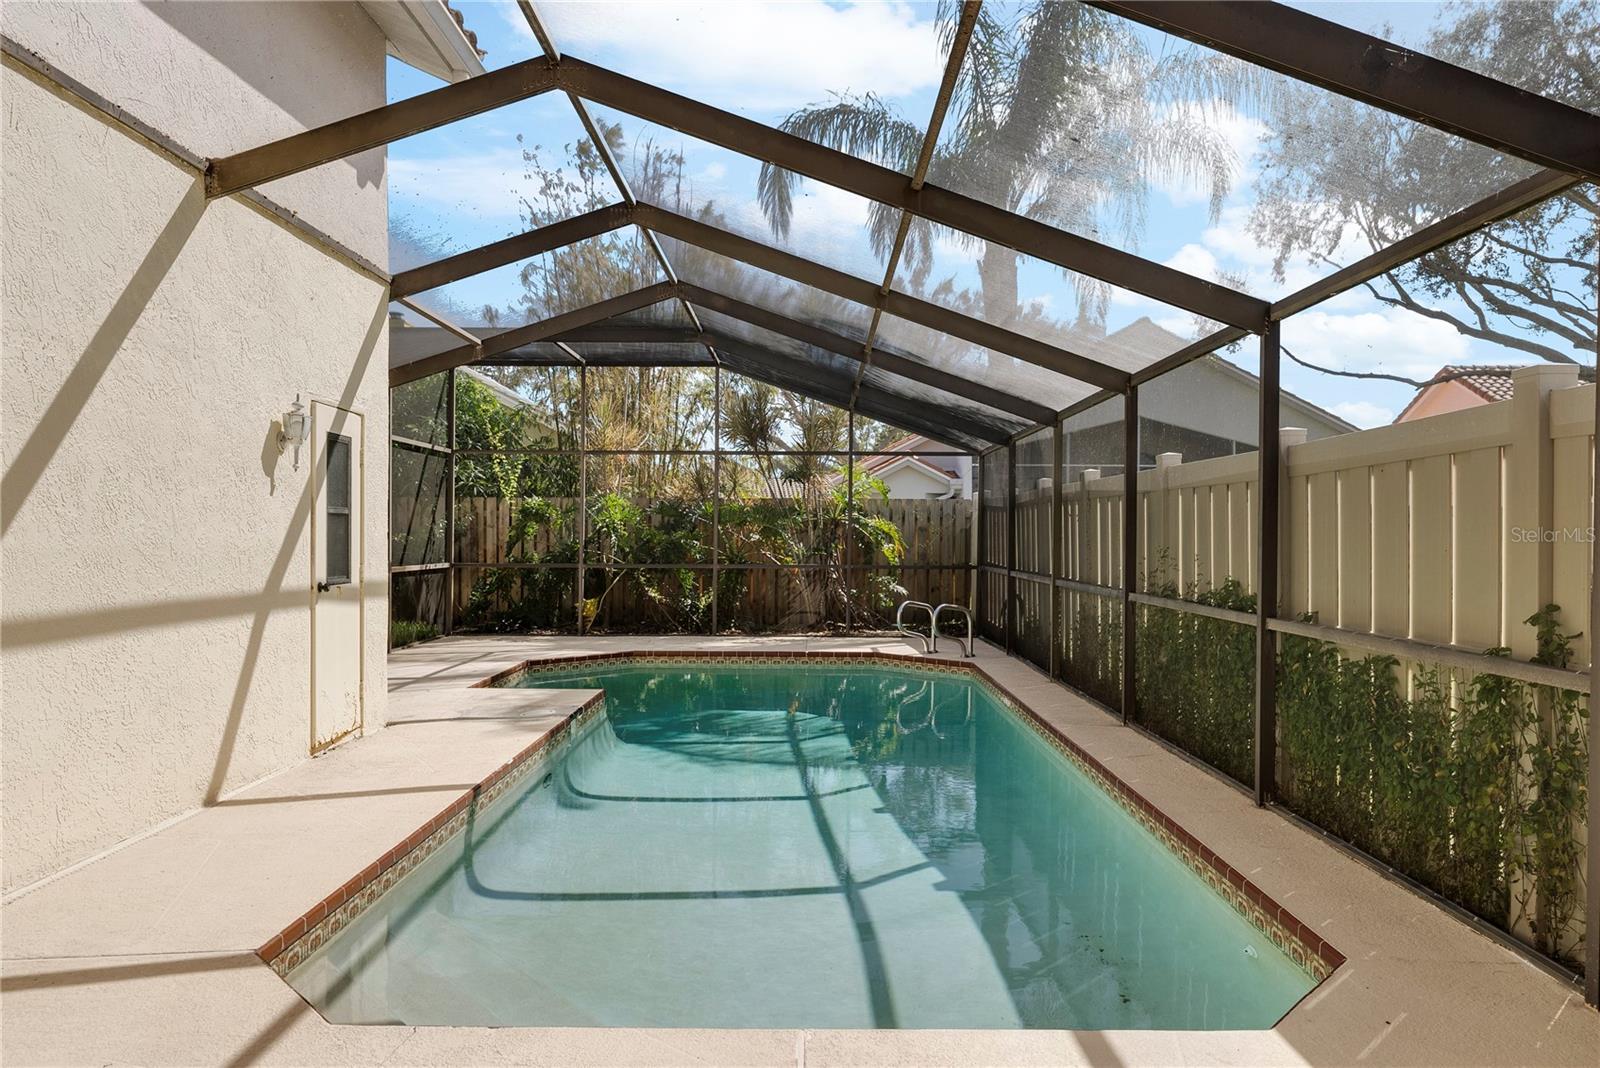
x=961, y=610
x=930, y=640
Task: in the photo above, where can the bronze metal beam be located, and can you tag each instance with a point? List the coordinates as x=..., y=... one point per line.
x=1384, y=75
x=1490, y=209
x=510, y=250
x=542, y=330
x=380, y=126
x=849, y=287
x=906, y=366
x=931, y=202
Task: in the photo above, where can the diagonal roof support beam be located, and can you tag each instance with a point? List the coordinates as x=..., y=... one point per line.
x=620, y=180
x=510, y=250
x=966, y=22
x=438, y=320
x=544, y=329
x=849, y=287
x=1384, y=75
x=894, y=363
x=754, y=253
x=1491, y=209
x=1486, y=212
x=380, y=126
x=933, y=203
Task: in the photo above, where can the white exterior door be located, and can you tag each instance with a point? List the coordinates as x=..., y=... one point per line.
x=336, y=566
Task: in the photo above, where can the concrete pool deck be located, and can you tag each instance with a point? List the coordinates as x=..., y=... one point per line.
x=147, y=954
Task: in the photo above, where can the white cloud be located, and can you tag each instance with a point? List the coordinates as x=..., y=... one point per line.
x=754, y=56
x=829, y=225
x=1364, y=414
x=1392, y=340
x=1194, y=259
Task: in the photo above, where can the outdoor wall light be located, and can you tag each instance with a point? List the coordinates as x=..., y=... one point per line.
x=293, y=432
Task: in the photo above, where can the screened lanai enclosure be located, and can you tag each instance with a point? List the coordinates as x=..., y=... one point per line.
x=1233, y=362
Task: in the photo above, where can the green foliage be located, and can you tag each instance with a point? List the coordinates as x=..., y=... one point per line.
x=1091, y=652
x=410, y=631
x=1194, y=677
x=1470, y=786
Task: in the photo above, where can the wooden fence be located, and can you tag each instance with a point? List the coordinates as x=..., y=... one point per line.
x=935, y=568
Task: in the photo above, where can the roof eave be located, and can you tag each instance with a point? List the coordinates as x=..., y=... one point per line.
x=424, y=34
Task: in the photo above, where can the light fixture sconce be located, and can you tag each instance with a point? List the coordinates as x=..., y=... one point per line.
x=293, y=432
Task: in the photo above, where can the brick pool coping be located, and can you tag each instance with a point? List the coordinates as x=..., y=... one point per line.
x=308, y=932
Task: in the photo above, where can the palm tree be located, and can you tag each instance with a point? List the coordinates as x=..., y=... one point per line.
x=1060, y=113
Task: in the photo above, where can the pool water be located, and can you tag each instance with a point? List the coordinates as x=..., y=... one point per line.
x=823, y=847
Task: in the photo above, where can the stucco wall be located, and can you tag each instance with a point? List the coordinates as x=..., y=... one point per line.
x=155, y=625
x=223, y=77
x=1440, y=398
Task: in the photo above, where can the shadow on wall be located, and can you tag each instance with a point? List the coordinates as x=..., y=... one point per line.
x=280, y=566
x=57, y=421
x=226, y=39
x=68, y=403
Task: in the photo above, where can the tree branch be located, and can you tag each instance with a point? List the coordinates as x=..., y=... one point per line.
x=1544, y=352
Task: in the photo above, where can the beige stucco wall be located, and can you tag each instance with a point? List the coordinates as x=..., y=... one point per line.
x=223, y=77
x=155, y=621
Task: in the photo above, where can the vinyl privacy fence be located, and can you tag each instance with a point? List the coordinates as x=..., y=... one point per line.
x=1467, y=531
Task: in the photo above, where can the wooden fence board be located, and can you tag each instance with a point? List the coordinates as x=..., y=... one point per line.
x=1391, y=550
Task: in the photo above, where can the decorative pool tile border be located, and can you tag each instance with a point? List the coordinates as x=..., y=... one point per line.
x=288, y=949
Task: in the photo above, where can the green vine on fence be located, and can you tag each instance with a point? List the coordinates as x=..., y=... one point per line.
x=1474, y=785
x=1194, y=676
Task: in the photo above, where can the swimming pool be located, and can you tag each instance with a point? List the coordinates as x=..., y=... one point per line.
x=821, y=844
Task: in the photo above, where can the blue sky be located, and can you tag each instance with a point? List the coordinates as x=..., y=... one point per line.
x=460, y=186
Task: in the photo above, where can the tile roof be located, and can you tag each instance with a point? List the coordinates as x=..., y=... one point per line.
x=1491, y=381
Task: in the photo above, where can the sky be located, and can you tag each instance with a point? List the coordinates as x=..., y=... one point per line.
x=461, y=186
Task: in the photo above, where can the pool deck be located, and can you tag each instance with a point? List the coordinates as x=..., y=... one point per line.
x=147, y=954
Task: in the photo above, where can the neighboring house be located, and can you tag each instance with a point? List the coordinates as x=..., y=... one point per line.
x=166, y=639
x=1207, y=408
x=908, y=474
x=1458, y=386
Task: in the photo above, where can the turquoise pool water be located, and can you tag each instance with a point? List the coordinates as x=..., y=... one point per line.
x=802, y=847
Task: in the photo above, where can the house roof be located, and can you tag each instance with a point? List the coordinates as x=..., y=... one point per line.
x=1491, y=381
x=883, y=463
x=429, y=35
x=1144, y=332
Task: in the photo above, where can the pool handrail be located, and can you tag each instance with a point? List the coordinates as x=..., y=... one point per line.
x=961, y=610
x=929, y=640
